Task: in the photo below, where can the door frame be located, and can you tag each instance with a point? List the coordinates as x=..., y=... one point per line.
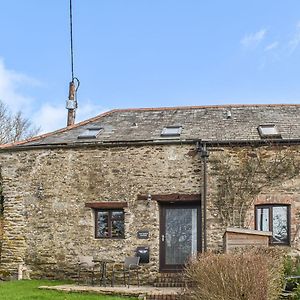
x=163, y=267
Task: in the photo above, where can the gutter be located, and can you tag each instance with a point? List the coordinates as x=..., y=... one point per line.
x=105, y=144
x=102, y=144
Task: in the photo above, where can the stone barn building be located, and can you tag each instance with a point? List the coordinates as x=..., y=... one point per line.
x=171, y=180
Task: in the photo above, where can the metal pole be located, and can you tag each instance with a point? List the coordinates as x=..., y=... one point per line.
x=201, y=148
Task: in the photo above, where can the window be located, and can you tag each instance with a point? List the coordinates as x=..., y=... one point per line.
x=274, y=218
x=268, y=131
x=90, y=133
x=171, y=131
x=109, y=223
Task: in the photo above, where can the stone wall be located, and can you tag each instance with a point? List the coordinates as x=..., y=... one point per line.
x=47, y=225
x=280, y=188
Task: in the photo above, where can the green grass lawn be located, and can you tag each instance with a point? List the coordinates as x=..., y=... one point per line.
x=28, y=290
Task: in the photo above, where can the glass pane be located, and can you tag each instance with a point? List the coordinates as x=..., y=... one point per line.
x=102, y=224
x=268, y=130
x=117, y=224
x=280, y=225
x=262, y=219
x=171, y=131
x=181, y=235
x=90, y=133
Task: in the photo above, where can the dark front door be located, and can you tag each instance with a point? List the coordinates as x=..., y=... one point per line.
x=179, y=234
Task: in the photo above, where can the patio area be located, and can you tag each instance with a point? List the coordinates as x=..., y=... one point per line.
x=141, y=292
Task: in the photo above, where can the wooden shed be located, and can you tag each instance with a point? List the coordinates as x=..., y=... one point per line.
x=241, y=237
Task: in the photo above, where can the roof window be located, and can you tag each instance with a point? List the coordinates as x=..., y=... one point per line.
x=90, y=133
x=268, y=131
x=171, y=131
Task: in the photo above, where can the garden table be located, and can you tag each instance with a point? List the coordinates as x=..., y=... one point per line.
x=103, y=269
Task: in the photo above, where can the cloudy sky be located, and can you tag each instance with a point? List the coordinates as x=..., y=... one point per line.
x=147, y=53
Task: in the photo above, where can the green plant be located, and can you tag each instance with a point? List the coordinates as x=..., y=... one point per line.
x=296, y=293
x=29, y=290
x=292, y=268
x=288, y=265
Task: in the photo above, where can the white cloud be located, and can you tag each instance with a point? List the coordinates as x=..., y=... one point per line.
x=88, y=109
x=10, y=84
x=48, y=116
x=52, y=117
x=295, y=40
x=272, y=46
x=252, y=40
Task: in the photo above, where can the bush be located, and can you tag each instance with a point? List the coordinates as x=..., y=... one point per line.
x=239, y=276
x=292, y=268
x=292, y=265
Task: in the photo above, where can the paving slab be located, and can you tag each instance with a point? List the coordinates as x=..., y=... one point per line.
x=132, y=291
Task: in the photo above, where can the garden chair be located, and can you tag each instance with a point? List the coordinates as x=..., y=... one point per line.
x=86, y=265
x=130, y=265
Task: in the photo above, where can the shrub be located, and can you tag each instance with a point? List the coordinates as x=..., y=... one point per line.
x=238, y=276
x=296, y=293
x=292, y=268
x=292, y=265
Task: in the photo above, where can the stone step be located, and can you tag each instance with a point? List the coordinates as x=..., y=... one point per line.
x=169, y=284
x=169, y=280
x=167, y=297
x=162, y=297
x=169, y=274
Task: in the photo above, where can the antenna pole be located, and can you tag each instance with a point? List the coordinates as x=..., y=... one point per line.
x=71, y=104
x=71, y=40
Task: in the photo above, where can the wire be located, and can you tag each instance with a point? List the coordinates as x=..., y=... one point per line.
x=78, y=83
x=71, y=36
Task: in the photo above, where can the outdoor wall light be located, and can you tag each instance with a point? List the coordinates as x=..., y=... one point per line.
x=149, y=198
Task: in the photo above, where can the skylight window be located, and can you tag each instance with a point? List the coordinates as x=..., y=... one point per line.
x=268, y=131
x=171, y=131
x=90, y=133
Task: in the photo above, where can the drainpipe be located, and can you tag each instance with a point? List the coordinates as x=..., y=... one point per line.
x=202, y=150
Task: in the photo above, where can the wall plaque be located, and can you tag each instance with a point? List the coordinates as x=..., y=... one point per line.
x=143, y=234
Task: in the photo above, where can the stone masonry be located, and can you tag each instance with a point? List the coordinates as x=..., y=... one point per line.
x=48, y=180
x=47, y=225
x=286, y=191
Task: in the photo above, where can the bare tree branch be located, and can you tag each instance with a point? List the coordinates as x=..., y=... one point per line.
x=14, y=127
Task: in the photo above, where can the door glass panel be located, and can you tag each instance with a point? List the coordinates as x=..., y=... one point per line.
x=262, y=219
x=280, y=222
x=180, y=235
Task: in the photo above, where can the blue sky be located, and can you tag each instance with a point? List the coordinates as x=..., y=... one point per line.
x=147, y=53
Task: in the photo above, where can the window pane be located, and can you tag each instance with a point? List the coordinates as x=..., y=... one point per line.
x=268, y=131
x=262, y=219
x=117, y=224
x=181, y=235
x=90, y=133
x=171, y=131
x=102, y=224
x=280, y=225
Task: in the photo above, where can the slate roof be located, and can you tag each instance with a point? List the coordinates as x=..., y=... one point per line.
x=207, y=123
